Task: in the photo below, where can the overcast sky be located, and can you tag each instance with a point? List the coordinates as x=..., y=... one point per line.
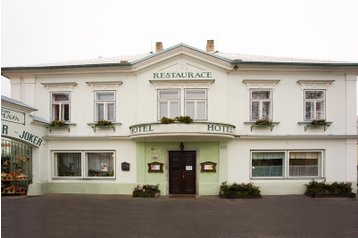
x=43, y=31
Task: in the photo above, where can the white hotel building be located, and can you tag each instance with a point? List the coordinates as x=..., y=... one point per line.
x=225, y=94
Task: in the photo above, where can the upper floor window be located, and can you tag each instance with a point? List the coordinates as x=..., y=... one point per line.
x=105, y=104
x=60, y=106
x=168, y=103
x=260, y=104
x=196, y=103
x=314, y=104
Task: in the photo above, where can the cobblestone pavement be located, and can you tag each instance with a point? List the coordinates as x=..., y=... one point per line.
x=92, y=216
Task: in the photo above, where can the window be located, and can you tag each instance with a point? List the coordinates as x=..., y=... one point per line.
x=286, y=164
x=105, y=104
x=267, y=164
x=314, y=105
x=196, y=103
x=100, y=164
x=168, y=103
x=60, y=106
x=84, y=164
x=304, y=163
x=68, y=164
x=260, y=104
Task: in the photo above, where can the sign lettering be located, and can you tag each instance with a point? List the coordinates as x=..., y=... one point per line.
x=183, y=75
x=12, y=116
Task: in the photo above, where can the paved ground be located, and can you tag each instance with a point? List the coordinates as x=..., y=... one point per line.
x=121, y=216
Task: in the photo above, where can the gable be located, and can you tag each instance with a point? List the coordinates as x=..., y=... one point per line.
x=182, y=52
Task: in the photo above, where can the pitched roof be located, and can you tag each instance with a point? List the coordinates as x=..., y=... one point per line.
x=233, y=58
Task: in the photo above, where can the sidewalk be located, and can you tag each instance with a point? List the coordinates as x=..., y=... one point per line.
x=94, y=216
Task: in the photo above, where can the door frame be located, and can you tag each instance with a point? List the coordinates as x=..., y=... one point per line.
x=196, y=170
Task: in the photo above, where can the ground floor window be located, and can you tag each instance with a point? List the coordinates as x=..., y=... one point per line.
x=100, y=164
x=84, y=164
x=286, y=164
x=267, y=164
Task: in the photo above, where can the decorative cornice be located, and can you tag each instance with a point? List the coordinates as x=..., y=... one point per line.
x=260, y=83
x=60, y=86
x=102, y=85
x=315, y=83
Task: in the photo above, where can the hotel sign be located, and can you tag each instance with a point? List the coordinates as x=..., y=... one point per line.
x=183, y=75
x=12, y=116
x=195, y=128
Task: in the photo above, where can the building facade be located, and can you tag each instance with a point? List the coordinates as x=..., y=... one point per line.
x=275, y=122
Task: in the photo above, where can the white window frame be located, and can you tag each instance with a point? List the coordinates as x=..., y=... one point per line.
x=269, y=177
x=84, y=165
x=196, y=100
x=286, y=164
x=261, y=101
x=320, y=164
x=168, y=101
x=61, y=105
x=314, y=101
x=105, y=106
x=55, y=165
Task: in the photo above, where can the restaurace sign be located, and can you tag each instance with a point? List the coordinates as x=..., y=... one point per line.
x=183, y=75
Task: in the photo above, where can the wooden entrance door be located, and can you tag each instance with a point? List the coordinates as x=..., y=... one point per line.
x=182, y=172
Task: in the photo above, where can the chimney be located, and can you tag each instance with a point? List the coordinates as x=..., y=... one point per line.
x=210, y=46
x=158, y=46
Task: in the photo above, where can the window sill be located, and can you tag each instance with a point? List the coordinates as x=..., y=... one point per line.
x=290, y=178
x=67, y=127
x=82, y=178
x=308, y=124
x=94, y=126
x=254, y=125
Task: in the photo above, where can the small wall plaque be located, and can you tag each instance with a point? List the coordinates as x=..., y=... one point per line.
x=208, y=166
x=125, y=166
x=155, y=167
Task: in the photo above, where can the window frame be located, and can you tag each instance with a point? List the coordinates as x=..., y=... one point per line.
x=270, y=100
x=319, y=164
x=268, y=177
x=61, y=104
x=84, y=165
x=159, y=101
x=286, y=164
x=324, y=100
x=105, y=106
x=196, y=103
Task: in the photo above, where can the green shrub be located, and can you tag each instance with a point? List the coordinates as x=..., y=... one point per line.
x=146, y=191
x=184, y=119
x=320, y=188
x=239, y=190
x=166, y=120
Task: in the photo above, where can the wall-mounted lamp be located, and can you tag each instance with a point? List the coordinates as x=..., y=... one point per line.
x=181, y=146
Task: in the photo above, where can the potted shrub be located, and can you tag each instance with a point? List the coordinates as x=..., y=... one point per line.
x=166, y=120
x=239, y=191
x=58, y=123
x=263, y=122
x=103, y=123
x=184, y=119
x=320, y=122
